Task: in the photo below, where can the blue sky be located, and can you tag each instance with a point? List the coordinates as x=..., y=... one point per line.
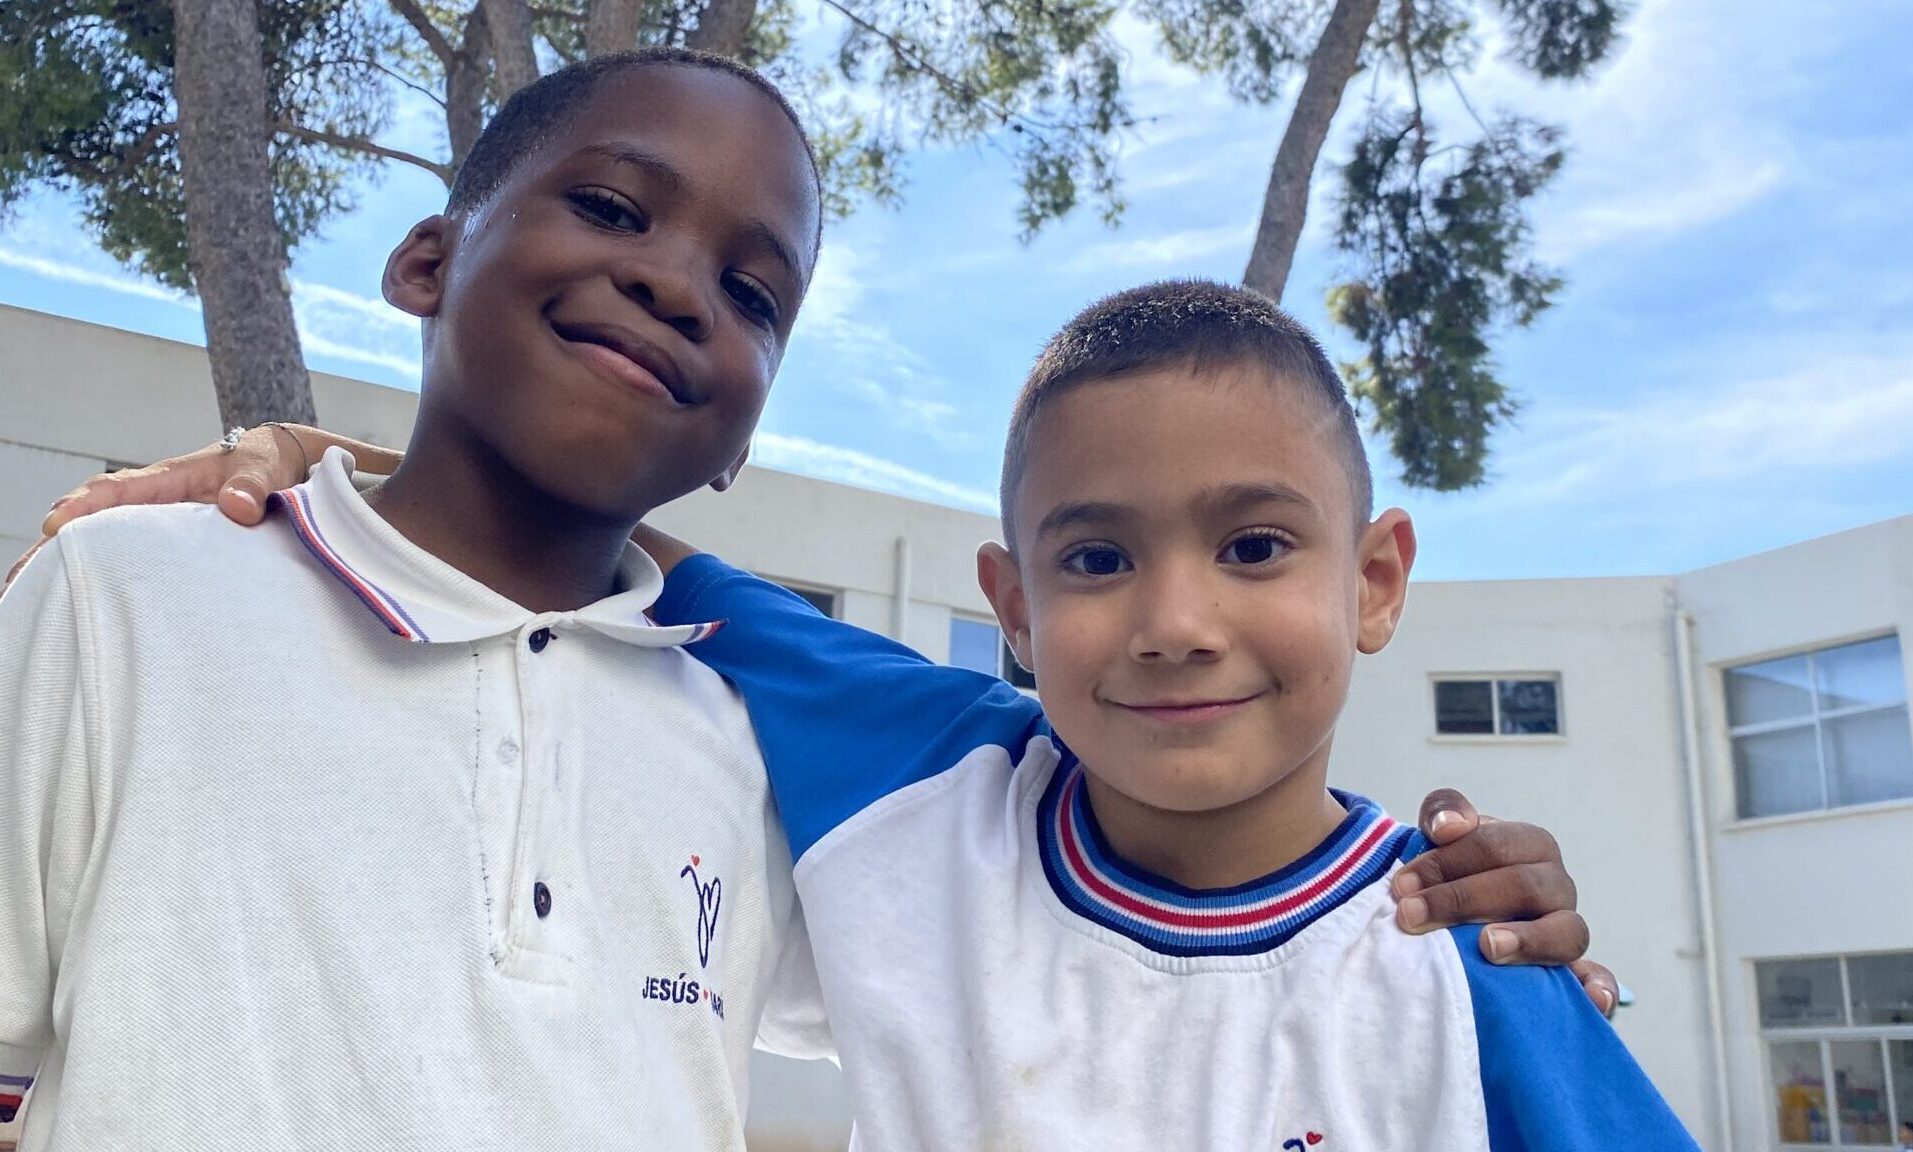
x=1730, y=368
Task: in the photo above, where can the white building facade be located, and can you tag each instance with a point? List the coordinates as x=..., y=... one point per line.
x=1725, y=755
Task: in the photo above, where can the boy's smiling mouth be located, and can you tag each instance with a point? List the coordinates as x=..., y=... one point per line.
x=1195, y=710
x=627, y=357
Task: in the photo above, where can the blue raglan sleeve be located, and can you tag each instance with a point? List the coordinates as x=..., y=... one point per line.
x=844, y=716
x=1554, y=1075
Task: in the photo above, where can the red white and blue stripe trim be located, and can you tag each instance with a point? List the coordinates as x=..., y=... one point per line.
x=1165, y=917
x=298, y=505
x=13, y=1090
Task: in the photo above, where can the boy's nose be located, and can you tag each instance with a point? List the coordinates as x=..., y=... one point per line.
x=1177, y=620
x=670, y=290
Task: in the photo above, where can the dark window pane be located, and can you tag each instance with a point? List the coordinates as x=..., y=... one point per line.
x=1883, y=993
x=1899, y=1066
x=973, y=645
x=1464, y=706
x=1800, y=993
x=1860, y=674
x=1800, y=1092
x=1859, y=1092
x=1529, y=707
x=1015, y=673
x=1775, y=690
x=1869, y=756
x=1777, y=772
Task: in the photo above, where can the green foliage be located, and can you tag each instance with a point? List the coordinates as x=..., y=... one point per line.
x=1039, y=79
x=1560, y=38
x=1251, y=44
x=86, y=107
x=1446, y=259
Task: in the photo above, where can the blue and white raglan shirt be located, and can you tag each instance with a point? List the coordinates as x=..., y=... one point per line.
x=996, y=977
x=309, y=841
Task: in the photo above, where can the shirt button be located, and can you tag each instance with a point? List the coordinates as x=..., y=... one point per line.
x=508, y=750
x=539, y=639
x=541, y=899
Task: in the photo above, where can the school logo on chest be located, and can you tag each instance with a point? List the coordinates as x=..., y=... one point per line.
x=707, y=900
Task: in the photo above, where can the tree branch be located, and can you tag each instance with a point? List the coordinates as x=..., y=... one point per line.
x=355, y=144
x=428, y=31
x=400, y=77
x=722, y=26
x=950, y=84
x=514, y=57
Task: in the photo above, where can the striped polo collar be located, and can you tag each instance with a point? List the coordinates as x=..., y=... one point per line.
x=420, y=598
x=1167, y=918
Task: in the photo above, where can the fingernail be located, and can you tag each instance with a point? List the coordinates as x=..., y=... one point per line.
x=1406, y=883
x=1607, y=1001
x=1414, y=912
x=1444, y=819
x=1499, y=943
x=246, y=498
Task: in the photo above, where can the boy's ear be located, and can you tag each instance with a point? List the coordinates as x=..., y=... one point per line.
x=1002, y=584
x=414, y=278
x=724, y=482
x=1384, y=555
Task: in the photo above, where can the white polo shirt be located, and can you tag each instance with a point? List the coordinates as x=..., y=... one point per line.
x=307, y=840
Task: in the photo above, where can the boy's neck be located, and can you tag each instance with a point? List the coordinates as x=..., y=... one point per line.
x=464, y=505
x=1228, y=846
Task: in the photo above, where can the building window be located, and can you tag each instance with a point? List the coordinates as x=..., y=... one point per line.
x=1839, y=1037
x=980, y=646
x=1824, y=729
x=822, y=599
x=1529, y=706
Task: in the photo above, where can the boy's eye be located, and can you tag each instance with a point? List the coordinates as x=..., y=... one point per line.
x=1096, y=561
x=605, y=207
x=1256, y=549
x=753, y=298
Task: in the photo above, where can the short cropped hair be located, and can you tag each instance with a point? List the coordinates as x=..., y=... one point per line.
x=536, y=111
x=1200, y=325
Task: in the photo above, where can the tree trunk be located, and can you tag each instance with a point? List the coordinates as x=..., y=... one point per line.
x=722, y=26
x=234, y=247
x=466, y=74
x=1336, y=59
x=612, y=26
x=514, y=58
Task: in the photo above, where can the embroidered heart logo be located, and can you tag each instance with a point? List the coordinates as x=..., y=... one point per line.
x=1314, y=1138
x=695, y=861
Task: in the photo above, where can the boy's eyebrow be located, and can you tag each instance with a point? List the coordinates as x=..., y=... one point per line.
x=661, y=170
x=1082, y=512
x=1221, y=498
x=656, y=167
x=1226, y=497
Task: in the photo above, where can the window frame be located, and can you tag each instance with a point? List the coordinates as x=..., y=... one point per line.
x=806, y=591
x=1814, y=721
x=1494, y=680
x=1825, y=1035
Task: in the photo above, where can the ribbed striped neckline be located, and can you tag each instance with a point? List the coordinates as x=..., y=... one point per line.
x=1165, y=917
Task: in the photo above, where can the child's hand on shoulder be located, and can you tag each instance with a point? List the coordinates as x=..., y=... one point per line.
x=1504, y=874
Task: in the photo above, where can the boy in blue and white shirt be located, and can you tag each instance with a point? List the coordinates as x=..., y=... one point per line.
x=1138, y=917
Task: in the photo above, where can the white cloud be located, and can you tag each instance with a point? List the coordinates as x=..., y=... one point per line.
x=331, y=322
x=1164, y=253
x=69, y=273
x=1832, y=415
x=848, y=466
x=863, y=358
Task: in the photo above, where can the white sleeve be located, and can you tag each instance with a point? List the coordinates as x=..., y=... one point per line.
x=794, y=1023
x=46, y=803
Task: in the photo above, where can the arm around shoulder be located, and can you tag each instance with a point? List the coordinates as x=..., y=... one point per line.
x=1554, y=1074
x=46, y=798
x=844, y=716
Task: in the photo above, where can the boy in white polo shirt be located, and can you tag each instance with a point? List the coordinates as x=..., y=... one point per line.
x=1138, y=918
x=495, y=866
